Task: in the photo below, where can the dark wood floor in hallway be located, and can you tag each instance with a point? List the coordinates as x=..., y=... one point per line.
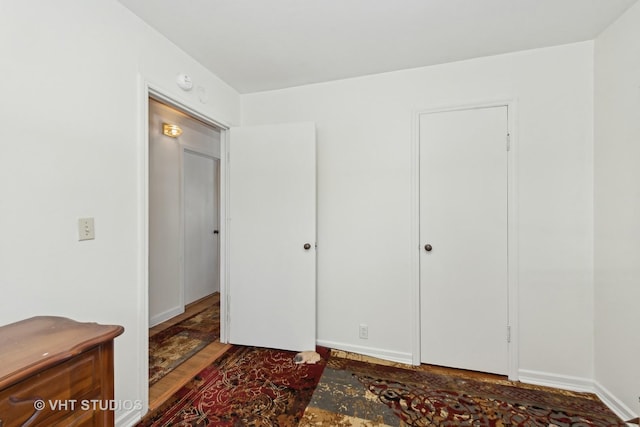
x=181, y=375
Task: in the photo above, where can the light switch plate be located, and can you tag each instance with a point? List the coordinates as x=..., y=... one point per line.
x=86, y=230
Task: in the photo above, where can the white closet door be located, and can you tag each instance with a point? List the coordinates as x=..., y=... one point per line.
x=463, y=217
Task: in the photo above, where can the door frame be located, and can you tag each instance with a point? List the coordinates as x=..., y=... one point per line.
x=512, y=223
x=147, y=90
x=183, y=224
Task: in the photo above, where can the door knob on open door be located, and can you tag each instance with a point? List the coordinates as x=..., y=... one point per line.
x=428, y=248
x=215, y=231
x=307, y=246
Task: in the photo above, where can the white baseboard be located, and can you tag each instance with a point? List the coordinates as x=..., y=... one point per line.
x=393, y=356
x=565, y=382
x=578, y=384
x=619, y=408
x=164, y=316
x=128, y=419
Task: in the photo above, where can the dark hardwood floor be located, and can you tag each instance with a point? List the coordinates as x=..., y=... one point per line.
x=172, y=382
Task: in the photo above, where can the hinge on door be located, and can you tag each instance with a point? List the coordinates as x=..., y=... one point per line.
x=508, y=333
x=508, y=142
x=227, y=316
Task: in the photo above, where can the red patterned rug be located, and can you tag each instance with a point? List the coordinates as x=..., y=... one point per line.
x=174, y=345
x=247, y=386
x=360, y=393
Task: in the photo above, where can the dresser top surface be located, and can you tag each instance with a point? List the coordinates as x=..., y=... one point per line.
x=33, y=344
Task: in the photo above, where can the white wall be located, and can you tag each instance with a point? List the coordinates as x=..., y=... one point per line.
x=165, y=250
x=364, y=197
x=617, y=210
x=70, y=113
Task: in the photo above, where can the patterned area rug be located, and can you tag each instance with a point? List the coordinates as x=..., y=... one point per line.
x=359, y=393
x=247, y=386
x=174, y=345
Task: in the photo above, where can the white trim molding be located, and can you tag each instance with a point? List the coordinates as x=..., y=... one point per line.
x=148, y=89
x=128, y=419
x=512, y=219
x=415, y=238
x=166, y=315
x=565, y=382
x=619, y=408
x=579, y=384
x=393, y=356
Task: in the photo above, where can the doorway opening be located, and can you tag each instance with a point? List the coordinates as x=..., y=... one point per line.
x=184, y=212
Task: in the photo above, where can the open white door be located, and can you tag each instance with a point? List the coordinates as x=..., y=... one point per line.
x=272, y=235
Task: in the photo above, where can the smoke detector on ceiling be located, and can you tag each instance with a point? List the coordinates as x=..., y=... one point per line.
x=184, y=82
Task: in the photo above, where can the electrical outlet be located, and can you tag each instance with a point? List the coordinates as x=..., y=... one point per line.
x=86, y=230
x=364, y=331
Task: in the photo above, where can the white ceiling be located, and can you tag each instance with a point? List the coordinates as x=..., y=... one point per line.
x=257, y=45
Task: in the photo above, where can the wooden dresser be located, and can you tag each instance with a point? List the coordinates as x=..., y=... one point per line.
x=56, y=372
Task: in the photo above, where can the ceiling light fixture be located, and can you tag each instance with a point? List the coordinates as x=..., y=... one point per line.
x=172, y=131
